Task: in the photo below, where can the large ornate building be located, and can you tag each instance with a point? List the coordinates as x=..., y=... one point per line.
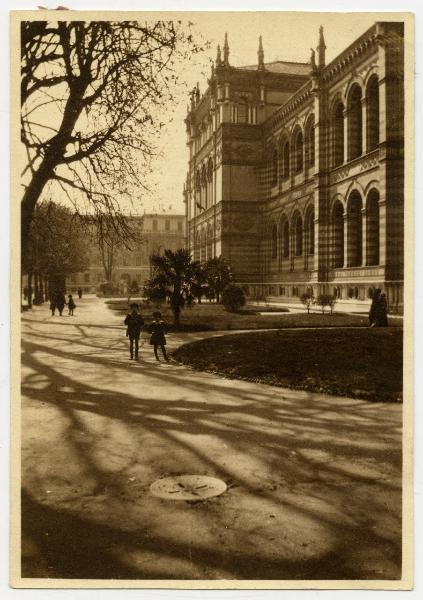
x=296, y=170
x=157, y=232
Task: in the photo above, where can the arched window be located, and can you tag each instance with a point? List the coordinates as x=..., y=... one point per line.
x=299, y=151
x=285, y=160
x=274, y=241
x=242, y=111
x=274, y=166
x=297, y=226
x=372, y=96
x=197, y=180
x=210, y=181
x=338, y=135
x=309, y=149
x=209, y=243
x=210, y=169
x=203, y=245
x=285, y=243
x=354, y=219
x=197, y=245
x=204, y=199
x=198, y=204
x=337, y=235
x=354, y=123
x=372, y=229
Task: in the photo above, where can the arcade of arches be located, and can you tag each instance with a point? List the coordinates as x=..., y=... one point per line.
x=300, y=185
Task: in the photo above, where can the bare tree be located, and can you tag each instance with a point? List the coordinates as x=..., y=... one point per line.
x=112, y=234
x=89, y=94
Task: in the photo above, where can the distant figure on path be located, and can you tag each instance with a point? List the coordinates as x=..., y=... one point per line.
x=158, y=330
x=134, y=323
x=378, y=314
x=79, y=290
x=71, y=305
x=383, y=311
x=60, y=302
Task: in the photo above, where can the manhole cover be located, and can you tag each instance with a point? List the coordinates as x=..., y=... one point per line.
x=187, y=487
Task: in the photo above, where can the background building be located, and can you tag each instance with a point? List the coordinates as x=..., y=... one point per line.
x=156, y=232
x=296, y=171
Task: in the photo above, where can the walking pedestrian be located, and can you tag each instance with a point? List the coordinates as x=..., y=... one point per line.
x=378, y=314
x=79, y=290
x=373, y=312
x=134, y=323
x=60, y=302
x=71, y=305
x=158, y=330
x=383, y=311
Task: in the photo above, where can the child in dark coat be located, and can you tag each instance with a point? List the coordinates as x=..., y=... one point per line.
x=71, y=305
x=158, y=330
x=134, y=323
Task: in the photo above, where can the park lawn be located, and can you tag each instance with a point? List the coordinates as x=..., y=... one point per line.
x=213, y=317
x=361, y=363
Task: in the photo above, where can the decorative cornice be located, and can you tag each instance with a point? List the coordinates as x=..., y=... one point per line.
x=367, y=41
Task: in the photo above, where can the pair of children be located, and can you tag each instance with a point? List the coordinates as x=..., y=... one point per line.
x=134, y=323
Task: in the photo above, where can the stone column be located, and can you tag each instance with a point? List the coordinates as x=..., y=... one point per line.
x=346, y=140
x=363, y=125
x=364, y=236
x=346, y=240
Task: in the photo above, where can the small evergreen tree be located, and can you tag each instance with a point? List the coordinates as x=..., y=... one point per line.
x=172, y=278
x=218, y=275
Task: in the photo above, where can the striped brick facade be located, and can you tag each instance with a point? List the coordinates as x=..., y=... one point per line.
x=296, y=171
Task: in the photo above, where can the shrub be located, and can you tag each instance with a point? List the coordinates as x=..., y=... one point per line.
x=134, y=288
x=326, y=300
x=307, y=299
x=233, y=297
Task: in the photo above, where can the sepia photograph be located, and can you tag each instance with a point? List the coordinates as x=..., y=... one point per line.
x=212, y=224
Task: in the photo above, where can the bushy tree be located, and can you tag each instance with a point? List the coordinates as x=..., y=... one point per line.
x=172, y=278
x=57, y=246
x=218, y=275
x=134, y=288
x=233, y=297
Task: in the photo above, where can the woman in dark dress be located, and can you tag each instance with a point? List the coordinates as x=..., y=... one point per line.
x=158, y=330
x=60, y=302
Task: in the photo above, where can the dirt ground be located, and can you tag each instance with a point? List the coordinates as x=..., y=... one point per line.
x=314, y=481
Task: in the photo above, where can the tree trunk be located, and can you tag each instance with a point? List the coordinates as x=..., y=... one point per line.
x=30, y=198
x=41, y=289
x=46, y=289
x=29, y=289
x=52, y=158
